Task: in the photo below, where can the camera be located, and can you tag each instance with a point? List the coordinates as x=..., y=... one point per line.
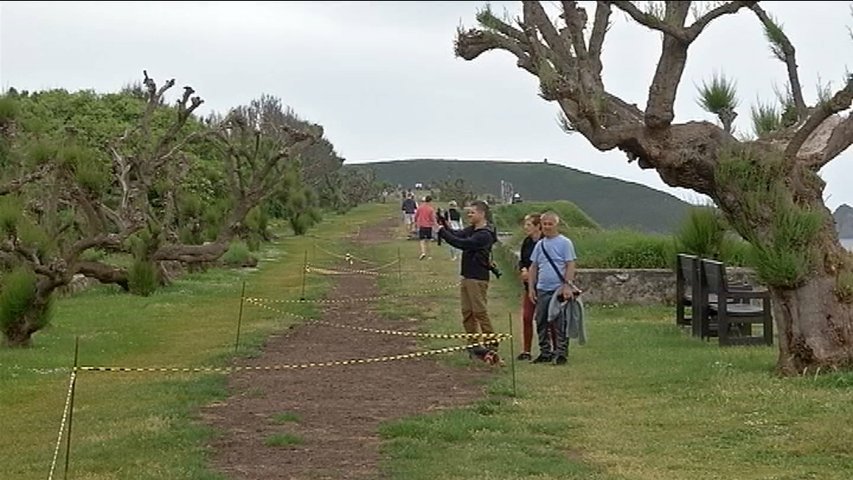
x=495, y=270
x=442, y=220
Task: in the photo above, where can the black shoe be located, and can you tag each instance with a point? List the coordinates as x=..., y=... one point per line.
x=523, y=356
x=542, y=359
x=561, y=360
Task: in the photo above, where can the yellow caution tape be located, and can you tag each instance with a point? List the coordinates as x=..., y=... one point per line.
x=354, y=299
x=497, y=336
x=327, y=271
x=333, y=270
x=347, y=256
x=294, y=366
x=62, y=423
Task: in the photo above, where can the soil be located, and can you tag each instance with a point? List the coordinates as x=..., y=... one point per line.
x=339, y=409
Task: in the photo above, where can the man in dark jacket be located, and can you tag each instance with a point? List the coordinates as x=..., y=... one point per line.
x=476, y=242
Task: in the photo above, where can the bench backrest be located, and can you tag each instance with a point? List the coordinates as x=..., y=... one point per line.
x=687, y=267
x=714, y=276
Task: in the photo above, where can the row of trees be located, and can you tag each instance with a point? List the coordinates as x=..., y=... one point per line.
x=85, y=176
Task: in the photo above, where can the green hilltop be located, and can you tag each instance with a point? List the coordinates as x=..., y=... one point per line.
x=611, y=202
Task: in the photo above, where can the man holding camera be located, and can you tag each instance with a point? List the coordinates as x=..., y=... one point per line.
x=476, y=242
x=552, y=272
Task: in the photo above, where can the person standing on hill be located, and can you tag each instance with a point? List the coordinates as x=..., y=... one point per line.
x=552, y=272
x=476, y=243
x=533, y=230
x=425, y=220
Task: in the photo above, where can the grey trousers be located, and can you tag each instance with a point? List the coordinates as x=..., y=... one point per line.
x=543, y=299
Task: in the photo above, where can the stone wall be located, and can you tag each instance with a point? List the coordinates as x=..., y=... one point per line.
x=638, y=286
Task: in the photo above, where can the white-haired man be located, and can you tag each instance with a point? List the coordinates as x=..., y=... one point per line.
x=552, y=272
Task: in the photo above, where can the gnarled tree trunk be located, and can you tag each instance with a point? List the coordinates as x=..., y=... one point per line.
x=19, y=333
x=814, y=326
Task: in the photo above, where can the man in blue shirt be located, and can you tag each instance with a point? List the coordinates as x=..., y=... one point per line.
x=549, y=277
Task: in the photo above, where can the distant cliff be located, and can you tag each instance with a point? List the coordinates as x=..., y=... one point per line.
x=844, y=221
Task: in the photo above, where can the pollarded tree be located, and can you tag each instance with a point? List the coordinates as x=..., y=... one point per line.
x=258, y=146
x=768, y=188
x=67, y=195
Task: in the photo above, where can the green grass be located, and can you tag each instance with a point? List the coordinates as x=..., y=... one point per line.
x=285, y=417
x=642, y=400
x=511, y=217
x=283, y=440
x=147, y=425
x=622, y=248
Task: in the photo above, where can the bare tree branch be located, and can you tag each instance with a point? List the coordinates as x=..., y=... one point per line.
x=102, y=240
x=184, y=112
x=535, y=19
x=673, y=57
x=154, y=97
x=790, y=58
x=473, y=43
x=490, y=21
x=839, y=141
x=576, y=19
x=20, y=182
x=94, y=219
x=599, y=30
x=838, y=103
x=103, y=273
x=727, y=8
x=675, y=30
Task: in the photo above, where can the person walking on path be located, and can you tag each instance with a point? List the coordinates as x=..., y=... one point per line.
x=409, y=207
x=425, y=220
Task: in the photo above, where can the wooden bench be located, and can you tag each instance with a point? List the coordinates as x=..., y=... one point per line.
x=729, y=312
x=686, y=288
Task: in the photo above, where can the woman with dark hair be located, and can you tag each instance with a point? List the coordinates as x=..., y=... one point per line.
x=534, y=232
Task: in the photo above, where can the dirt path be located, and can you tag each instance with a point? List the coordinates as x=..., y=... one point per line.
x=339, y=408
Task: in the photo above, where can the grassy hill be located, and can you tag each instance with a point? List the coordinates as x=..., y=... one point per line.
x=510, y=217
x=612, y=203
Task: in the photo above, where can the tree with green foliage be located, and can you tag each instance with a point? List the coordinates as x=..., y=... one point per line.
x=767, y=187
x=457, y=190
x=296, y=203
x=342, y=191
x=133, y=176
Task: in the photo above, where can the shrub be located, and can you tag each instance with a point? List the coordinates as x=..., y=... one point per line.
x=642, y=252
x=702, y=233
x=143, y=277
x=736, y=252
x=17, y=301
x=238, y=255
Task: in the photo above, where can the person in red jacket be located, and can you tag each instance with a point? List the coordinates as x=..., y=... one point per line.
x=425, y=220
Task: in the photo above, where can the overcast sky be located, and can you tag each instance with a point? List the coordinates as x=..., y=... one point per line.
x=381, y=77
